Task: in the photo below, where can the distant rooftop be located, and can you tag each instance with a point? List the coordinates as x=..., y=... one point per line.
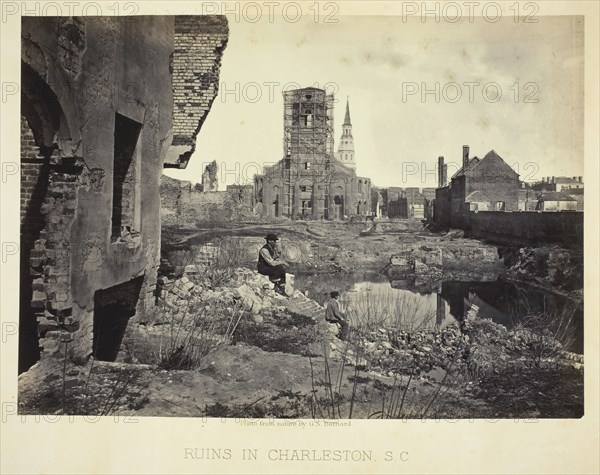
x=557, y=196
x=564, y=180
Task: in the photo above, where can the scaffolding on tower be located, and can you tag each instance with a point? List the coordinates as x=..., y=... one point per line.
x=308, y=137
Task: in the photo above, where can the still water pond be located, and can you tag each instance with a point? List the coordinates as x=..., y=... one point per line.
x=372, y=297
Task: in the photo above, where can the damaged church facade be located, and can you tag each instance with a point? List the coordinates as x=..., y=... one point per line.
x=106, y=103
x=312, y=181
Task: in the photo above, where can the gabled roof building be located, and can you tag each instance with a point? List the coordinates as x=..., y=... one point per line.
x=486, y=184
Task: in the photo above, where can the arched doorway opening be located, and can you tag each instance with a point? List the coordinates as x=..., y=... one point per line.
x=42, y=124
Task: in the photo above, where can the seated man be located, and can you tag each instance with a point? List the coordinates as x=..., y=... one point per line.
x=271, y=264
x=334, y=315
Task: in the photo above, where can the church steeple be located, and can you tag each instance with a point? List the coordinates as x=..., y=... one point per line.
x=346, y=147
x=347, y=118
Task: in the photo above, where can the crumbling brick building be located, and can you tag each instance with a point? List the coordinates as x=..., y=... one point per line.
x=310, y=182
x=106, y=103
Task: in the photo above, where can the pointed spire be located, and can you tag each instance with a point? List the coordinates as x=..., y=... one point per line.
x=347, y=118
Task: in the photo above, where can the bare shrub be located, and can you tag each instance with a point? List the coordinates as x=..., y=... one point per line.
x=189, y=334
x=544, y=332
x=220, y=259
x=544, y=335
x=375, y=308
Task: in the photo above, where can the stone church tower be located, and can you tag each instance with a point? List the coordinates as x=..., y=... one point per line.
x=346, y=147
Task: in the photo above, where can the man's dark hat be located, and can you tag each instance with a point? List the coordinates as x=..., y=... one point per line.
x=334, y=294
x=271, y=237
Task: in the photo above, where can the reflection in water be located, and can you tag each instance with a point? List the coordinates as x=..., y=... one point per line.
x=370, y=296
x=409, y=311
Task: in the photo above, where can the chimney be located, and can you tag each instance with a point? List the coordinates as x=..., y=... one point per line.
x=580, y=179
x=574, y=178
x=445, y=175
x=441, y=181
x=543, y=179
x=465, y=156
x=553, y=180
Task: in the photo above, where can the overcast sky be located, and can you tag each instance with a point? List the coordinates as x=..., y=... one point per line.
x=384, y=65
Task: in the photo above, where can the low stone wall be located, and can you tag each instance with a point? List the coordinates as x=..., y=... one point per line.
x=182, y=204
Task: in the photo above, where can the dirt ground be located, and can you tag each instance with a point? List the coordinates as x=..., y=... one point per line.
x=244, y=381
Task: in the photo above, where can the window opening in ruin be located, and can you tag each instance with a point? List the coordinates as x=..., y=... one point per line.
x=125, y=182
x=307, y=165
x=306, y=119
x=306, y=207
x=296, y=114
x=113, y=307
x=500, y=206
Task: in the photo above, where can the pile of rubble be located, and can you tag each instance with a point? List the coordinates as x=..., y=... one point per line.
x=476, y=346
x=252, y=290
x=550, y=266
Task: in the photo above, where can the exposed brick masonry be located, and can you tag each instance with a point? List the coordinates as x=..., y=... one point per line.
x=52, y=299
x=199, y=45
x=33, y=169
x=34, y=182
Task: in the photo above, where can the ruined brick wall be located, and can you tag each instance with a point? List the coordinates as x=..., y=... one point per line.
x=78, y=75
x=458, y=194
x=34, y=183
x=199, y=45
x=527, y=227
x=215, y=207
x=209, y=177
x=97, y=98
x=170, y=193
x=441, y=207
x=33, y=180
x=184, y=205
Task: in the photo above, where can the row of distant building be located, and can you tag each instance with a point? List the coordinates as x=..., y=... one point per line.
x=311, y=181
